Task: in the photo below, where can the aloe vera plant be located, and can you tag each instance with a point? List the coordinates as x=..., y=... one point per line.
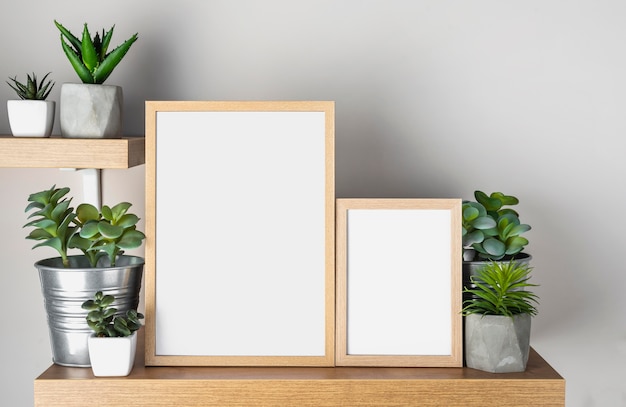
x=89, y=56
x=33, y=89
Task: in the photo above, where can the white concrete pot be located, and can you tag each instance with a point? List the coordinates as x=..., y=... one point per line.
x=91, y=111
x=31, y=118
x=496, y=343
x=112, y=356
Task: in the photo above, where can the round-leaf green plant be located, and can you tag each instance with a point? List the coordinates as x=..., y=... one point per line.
x=500, y=288
x=491, y=228
x=108, y=232
x=97, y=233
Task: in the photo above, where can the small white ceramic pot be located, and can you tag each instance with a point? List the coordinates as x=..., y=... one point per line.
x=31, y=118
x=112, y=356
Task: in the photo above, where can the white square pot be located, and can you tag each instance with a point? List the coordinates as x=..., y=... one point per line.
x=112, y=356
x=31, y=118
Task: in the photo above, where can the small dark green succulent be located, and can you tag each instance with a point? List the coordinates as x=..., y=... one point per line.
x=33, y=90
x=104, y=321
x=89, y=56
x=499, y=288
x=53, y=220
x=492, y=229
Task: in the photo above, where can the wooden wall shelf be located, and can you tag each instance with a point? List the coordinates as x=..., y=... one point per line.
x=58, y=152
x=539, y=386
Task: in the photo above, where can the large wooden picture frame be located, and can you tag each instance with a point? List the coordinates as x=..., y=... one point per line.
x=399, y=282
x=240, y=223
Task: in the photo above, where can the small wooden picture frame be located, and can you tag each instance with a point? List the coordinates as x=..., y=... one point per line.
x=240, y=233
x=399, y=283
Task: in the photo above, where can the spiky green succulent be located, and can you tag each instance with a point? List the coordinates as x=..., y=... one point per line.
x=500, y=288
x=89, y=56
x=32, y=90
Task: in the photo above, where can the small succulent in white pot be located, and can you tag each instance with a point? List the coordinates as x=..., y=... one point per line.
x=113, y=345
x=31, y=115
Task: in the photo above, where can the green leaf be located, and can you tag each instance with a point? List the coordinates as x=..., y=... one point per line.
x=88, y=50
x=107, y=213
x=70, y=37
x=515, y=244
x=490, y=204
x=77, y=63
x=505, y=199
x=474, y=237
x=89, y=305
x=127, y=220
x=39, y=234
x=106, y=40
x=470, y=213
x=119, y=210
x=484, y=223
x=89, y=230
x=111, y=60
x=109, y=231
x=86, y=212
x=131, y=240
x=494, y=247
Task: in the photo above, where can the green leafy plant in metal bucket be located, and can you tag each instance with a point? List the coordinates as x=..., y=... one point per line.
x=97, y=233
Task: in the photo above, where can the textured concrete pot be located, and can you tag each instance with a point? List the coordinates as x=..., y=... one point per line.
x=497, y=344
x=64, y=291
x=31, y=118
x=91, y=111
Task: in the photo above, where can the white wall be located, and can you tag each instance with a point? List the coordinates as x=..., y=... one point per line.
x=433, y=99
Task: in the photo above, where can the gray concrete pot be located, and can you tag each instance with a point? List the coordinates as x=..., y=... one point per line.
x=91, y=111
x=64, y=291
x=496, y=343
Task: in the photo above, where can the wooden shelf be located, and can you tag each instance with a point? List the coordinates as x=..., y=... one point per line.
x=58, y=152
x=539, y=386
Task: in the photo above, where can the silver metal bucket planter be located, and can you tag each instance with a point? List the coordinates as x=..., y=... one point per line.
x=497, y=343
x=65, y=290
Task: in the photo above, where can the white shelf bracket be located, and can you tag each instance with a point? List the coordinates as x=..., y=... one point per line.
x=92, y=185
